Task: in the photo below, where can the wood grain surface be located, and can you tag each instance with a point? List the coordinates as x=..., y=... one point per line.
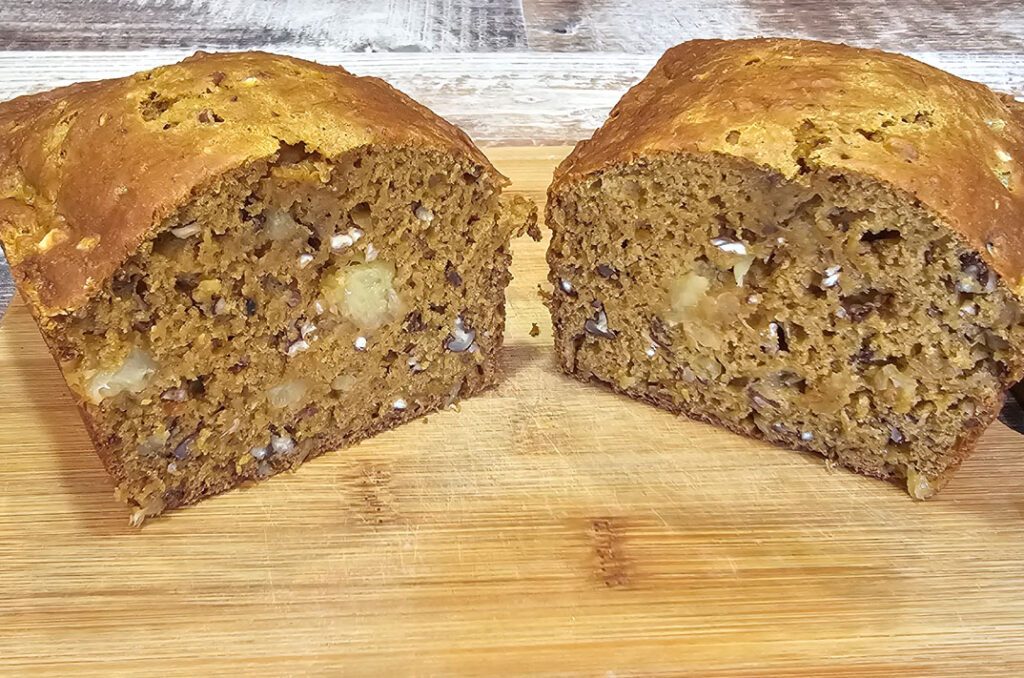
x=547, y=528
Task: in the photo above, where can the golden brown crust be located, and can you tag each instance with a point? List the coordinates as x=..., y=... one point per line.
x=954, y=145
x=87, y=172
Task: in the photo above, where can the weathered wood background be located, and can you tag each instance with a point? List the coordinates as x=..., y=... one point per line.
x=995, y=26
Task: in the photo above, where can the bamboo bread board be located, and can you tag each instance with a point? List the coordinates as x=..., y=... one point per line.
x=548, y=527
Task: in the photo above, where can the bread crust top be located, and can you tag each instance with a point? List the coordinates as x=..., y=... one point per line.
x=793, y=106
x=89, y=171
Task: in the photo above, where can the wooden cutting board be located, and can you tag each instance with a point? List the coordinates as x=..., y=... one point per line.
x=546, y=528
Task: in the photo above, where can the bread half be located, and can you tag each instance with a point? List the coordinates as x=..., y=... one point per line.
x=245, y=260
x=811, y=244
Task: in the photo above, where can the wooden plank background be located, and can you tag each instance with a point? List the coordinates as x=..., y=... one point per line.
x=506, y=25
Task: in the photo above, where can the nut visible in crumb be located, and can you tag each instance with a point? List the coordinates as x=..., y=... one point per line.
x=281, y=444
x=729, y=245
x=423, y=213
x=181, y=451
x=598, y=324
x=279, y=225
x=360, y=343
x=399, y=404
x=258, y=452
x=830, y=278
x=154, y=443
x=297, y=347
x=534, y=330
x=461, y=338
x=305, y=260
x=659, y=333
x=452, y=275
x=978, y=277
x=759, y=403
x=208, y=117
x=176, y=395
x=343, y=241
x=413, y=322
x=741, y=268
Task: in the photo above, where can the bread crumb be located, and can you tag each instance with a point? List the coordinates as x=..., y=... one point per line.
x=533, y=230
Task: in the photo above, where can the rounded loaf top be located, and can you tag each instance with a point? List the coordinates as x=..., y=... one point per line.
x=796, y=106
x=87, y=172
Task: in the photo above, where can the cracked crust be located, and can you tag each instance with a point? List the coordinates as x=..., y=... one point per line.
x=886, y=115
x=89, y=171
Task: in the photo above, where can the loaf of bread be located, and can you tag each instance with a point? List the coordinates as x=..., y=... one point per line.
x=811, y=244
x=242, y=261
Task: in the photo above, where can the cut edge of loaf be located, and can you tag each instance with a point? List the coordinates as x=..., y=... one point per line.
x=234, y=192
x=609, y=288
x=795, y=111
x=376, y=296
